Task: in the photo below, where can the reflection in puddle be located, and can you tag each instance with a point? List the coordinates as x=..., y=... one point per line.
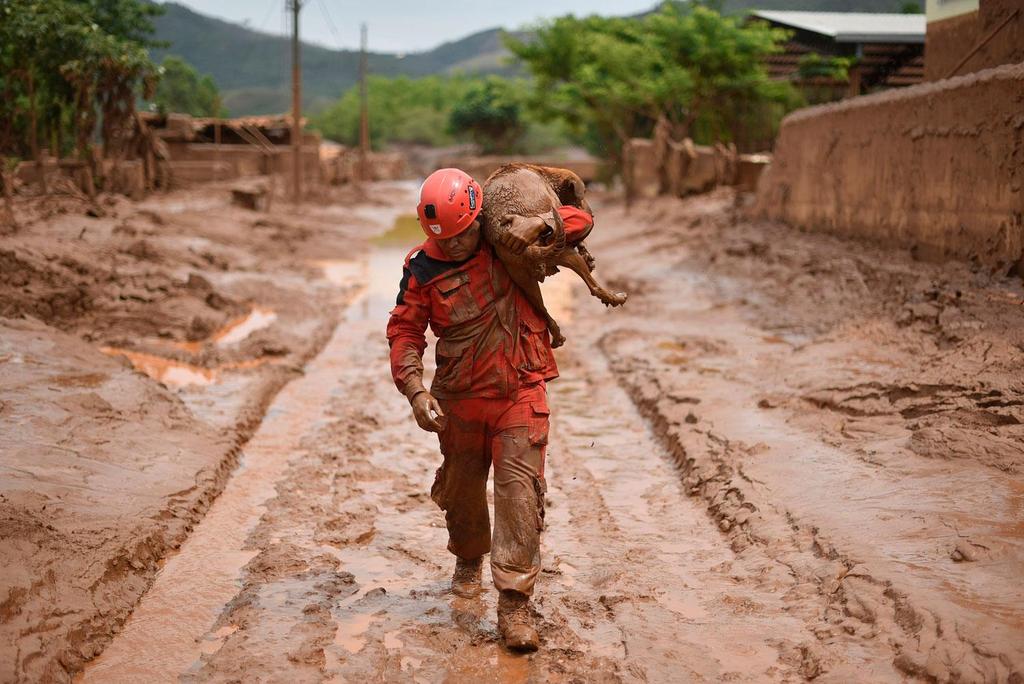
x=351, y=632
x=406, y=231
x=169, y=372
x=234, y=332
x=176, y=373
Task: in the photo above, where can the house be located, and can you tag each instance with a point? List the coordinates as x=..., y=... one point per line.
x=835, y=54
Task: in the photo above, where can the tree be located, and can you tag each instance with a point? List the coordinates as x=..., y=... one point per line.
x=182, y=89
x=403, y=110
x=613, y=78
x=128, y=20
x=489, y=114
x=65, y=62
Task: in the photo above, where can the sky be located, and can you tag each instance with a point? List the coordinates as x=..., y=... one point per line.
x=403, y=25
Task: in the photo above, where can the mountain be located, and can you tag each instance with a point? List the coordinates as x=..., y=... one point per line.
x=252, y=69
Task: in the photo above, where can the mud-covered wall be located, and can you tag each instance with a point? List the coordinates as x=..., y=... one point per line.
x=937, y=167
x=947, y=42
x=950, y=40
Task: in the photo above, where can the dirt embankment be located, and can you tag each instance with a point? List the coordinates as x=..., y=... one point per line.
x=138, y=351
x=848, y=413
x=936, y=168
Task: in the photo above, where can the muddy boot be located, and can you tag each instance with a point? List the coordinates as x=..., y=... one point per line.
x=515, y=621
x=466, y=578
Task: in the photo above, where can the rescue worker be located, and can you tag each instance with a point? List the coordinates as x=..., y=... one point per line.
x=488, y=398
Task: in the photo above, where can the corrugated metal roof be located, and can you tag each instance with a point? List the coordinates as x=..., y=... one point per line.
x=853, y=27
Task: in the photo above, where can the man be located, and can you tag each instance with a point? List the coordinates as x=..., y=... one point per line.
x=487, y=402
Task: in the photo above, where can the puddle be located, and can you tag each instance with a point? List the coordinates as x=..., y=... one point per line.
x=169, y=372
x=163, y=636
x=239, y=329
x=406, y=232
x=234, y=332
x=341, y=272
x=179, y=374
x=351, y=632
x=383, y=274
x=176, y=373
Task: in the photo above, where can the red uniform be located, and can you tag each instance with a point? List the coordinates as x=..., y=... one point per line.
x=473, y=308
x=493, y=359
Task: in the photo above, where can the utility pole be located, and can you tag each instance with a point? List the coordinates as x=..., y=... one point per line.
x=364, y=115
x=296, y=6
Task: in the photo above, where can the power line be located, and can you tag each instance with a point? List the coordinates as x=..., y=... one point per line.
x=270, y=12
x=330, y=24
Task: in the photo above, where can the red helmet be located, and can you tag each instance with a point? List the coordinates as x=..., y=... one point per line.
x=449, y=202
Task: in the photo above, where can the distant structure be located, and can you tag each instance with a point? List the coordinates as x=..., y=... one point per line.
x=965, y=36
x=882, y=51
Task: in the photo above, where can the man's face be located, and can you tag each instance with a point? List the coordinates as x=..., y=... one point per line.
x=463, y=245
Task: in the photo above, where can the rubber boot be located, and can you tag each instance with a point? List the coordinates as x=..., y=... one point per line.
x=515, y=621
x=466, y=578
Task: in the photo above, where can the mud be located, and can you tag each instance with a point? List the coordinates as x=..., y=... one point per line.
x=789, y=457
x=346, y=576
x=106, y=469
x=848, y=413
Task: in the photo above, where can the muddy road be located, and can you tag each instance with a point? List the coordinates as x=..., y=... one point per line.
x=788, y=457
x=344, y=577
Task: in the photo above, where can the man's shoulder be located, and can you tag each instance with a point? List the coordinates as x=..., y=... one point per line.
x=425, y=268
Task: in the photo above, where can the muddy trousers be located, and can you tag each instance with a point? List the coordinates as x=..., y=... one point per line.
x=512, y=434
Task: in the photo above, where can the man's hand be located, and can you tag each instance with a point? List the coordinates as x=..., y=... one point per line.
x=427, y=412
x=521, y=231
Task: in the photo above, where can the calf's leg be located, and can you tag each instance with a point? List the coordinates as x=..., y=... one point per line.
x=575, y=261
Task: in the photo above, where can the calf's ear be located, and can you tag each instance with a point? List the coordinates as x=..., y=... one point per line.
x=568, y=186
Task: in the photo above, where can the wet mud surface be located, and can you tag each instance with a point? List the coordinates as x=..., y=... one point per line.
x=342, y=573
x=138, y=351
x=788, y=457
x=853, y=415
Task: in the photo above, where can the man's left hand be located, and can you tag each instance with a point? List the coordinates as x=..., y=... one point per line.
x=521, y=231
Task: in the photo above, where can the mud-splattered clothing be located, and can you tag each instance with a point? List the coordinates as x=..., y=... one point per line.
x=493, y=358
x=513, y=435
x=490, y=341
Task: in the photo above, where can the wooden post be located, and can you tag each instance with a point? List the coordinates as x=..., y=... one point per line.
x=364, y=111
x=854, y=87
x=216, y=141
x=34, y=132
x=296, y=5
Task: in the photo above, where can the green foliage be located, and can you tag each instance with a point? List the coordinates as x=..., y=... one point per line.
x=910, y=8
x=65, y=62
x=129, y=20
x=489, y=113
x=182, y=89
x=813, y=65
x=423, y=111
x=612, y=78
x=400, y=110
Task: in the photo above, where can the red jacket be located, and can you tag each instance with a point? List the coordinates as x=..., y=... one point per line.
x=490, y=340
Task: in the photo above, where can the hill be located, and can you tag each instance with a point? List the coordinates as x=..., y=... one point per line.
x=252, y=68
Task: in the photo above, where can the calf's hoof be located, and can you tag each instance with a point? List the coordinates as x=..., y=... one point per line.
x=617, y=299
